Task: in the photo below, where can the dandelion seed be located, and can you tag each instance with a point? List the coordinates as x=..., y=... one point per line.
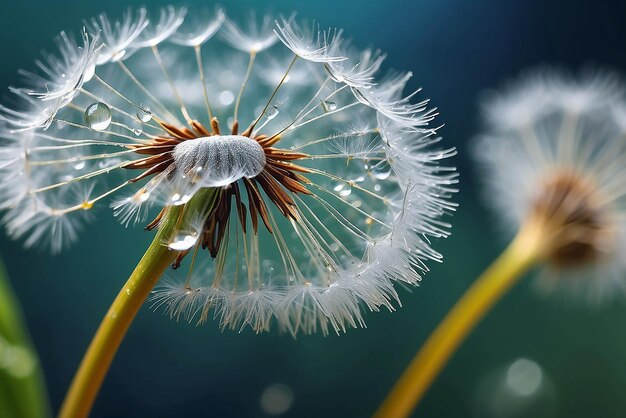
x=310, y=182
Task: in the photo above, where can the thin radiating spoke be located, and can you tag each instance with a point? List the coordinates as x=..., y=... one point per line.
x=179, y=99
x=198, y=52
x=147, y=92
x=244, y=83
x=269, y=101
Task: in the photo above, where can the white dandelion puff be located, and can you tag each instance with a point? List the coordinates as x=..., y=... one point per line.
x=313, y=184
x=563, y=166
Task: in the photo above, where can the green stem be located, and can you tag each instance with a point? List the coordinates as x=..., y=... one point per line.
x=97, y=360
x=519, y=256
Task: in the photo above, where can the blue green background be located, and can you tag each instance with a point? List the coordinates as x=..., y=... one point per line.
x=455, y=49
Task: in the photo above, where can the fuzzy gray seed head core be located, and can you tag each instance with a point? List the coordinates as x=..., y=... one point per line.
x=220, y=160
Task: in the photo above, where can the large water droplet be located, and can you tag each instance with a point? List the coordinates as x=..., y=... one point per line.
x=382, y=170
x=183, y=241
x=330, y=105
x=271, y=112
x=98, y=116
x=144, y=114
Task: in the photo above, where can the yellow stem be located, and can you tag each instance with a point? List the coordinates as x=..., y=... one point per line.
x=520, y=255
x=97, y=360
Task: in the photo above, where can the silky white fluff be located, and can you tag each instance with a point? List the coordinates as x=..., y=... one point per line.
x=371, y=157
x=547, y=122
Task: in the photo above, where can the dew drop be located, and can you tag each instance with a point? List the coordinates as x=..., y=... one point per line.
x=382, y=170
x=137, y=131
x=330, y=105
x=144, y=114
x=271, y=112
x=98, y=116
x=183, y=241
x=345, y=191
x=79, y=166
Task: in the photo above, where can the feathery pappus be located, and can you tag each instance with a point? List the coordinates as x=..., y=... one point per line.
x=313, y=182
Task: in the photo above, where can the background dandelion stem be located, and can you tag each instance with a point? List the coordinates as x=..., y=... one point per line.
x=521, y=254
x=22, y=389
x=97, y=360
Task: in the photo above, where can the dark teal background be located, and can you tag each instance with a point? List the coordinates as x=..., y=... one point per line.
x=167, y=369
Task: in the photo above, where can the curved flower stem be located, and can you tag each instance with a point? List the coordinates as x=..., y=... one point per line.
x=518, y=257
x=87, y=381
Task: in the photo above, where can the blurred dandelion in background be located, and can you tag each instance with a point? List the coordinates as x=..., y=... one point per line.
x=313, y=181
x=553, y=155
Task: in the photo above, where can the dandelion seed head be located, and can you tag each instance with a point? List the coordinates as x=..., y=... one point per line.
x=308, y=185
x=560, y=167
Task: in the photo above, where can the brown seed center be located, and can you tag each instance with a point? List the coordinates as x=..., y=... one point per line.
x=578, y=223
